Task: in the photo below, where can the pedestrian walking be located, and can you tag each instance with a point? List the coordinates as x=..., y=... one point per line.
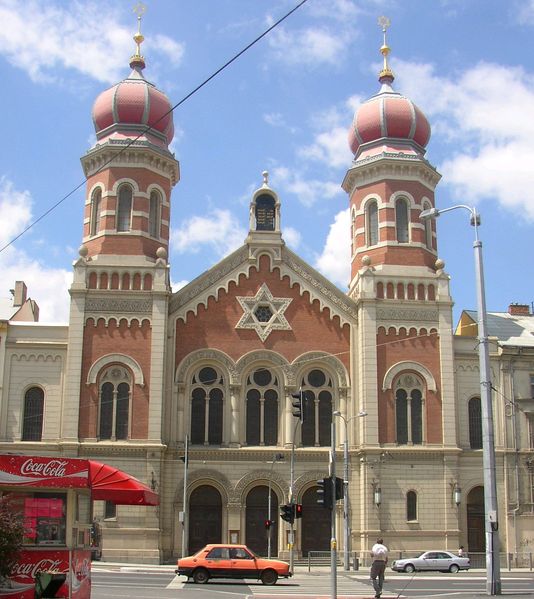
x=461, y=552
x=379, y=555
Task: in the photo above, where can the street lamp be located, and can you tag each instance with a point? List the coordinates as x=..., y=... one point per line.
x=276, y=458
x=346, y=546
x=493, y=573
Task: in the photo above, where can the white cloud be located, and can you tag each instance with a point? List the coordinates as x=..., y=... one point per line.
x=311, y=47
x=292, y=237
x=219, y=230
x=276, y=119
x=308, y=190
x=525, y=14
x=41, y=38
x=334, y=262
x=484, y=113
x=47, y=286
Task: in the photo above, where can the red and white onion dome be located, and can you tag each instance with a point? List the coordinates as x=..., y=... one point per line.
x=388, y=119
x=129, y=107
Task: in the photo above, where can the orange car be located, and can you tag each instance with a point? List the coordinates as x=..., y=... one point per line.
x=231, y=561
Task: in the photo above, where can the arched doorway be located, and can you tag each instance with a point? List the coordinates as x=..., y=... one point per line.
x=205, y=518
x=315, y=531
x=476, y=534
x=256, y=513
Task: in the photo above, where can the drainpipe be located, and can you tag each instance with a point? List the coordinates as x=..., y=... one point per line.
x=515, y=511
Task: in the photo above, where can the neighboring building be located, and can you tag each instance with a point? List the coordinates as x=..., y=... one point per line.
x=139, y=369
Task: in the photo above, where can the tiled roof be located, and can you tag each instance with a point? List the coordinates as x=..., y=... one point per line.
x=508, y=328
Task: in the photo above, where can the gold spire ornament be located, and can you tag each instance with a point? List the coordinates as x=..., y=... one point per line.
x=137, y=59
x=386, y=72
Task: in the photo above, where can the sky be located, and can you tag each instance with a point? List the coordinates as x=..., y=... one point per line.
x=284, y=106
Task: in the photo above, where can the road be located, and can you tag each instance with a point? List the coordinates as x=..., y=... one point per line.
x=134, y=583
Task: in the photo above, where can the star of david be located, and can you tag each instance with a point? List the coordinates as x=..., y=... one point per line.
x=261, y=305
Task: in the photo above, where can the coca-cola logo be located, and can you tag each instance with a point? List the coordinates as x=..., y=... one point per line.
x=29, y=570
x=51, y=468
x=82, y=568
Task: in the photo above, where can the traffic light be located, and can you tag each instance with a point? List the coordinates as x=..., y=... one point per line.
x=298, y=404
x=268, y=524
x=324, y=492
x=339, y=488
x=298, y=511
x=287, y=512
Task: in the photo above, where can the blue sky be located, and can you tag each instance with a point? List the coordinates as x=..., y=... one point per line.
x=285, y=106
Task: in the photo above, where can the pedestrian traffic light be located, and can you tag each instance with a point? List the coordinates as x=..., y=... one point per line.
x=339, y=488
x=298, y=404
x=268, y=524
x=287, y=512
x=298, y=511
x=324, y=492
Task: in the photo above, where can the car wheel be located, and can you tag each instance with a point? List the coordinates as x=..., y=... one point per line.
x=409, y=568
x=269, y=577
x=201, y=576
x=454, y=568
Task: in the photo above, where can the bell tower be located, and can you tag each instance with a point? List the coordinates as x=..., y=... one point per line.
x=121, y=286
x=403, y=344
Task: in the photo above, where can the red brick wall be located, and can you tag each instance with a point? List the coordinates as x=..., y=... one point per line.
x=404, y=346
x=134, y=341
x=214, y=327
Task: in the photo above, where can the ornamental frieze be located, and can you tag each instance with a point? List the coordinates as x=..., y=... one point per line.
x=118, y=306
x=407, y=314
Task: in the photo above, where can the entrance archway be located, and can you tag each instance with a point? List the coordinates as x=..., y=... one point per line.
x=315, y=532
x=205, y=518
x=476, y=534
x=256, y=513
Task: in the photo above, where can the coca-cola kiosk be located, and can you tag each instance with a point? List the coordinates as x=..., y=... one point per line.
x=54, y=497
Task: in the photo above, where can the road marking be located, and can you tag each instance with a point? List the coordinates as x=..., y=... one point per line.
x=176, y=583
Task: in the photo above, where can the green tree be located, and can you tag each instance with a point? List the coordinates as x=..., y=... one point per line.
x=11, y=534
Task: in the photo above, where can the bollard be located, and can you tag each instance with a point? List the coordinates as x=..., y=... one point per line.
x=356, y=562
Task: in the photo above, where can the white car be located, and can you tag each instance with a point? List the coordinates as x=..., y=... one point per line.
x=442, y=561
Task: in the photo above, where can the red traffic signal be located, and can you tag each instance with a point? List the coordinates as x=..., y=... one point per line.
x=298, y=511
x=268, y=524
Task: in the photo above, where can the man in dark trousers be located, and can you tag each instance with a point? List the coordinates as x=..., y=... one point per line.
x=379, y=554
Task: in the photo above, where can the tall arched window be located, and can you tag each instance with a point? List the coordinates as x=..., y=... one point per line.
x=428, y=228
x=154, y=214
x=265, y=212
x=372, y=223
x=96, y=202
x=475, y=423
x=317, y=422
x=411, y=506
x=402, y=221
x=409, y=410
x=207, y=394
x=32, y=423
x=115, y=397
x=262, y=408
x=124, y=208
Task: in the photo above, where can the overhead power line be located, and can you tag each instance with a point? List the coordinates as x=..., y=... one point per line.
x=150, y=127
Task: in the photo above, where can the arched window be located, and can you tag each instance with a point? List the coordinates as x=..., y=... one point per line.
x=154, y=214
x=114, y=412
x=475, y=423
x=207, y=394
x=124, y=208
x=409, y=410
x=317, y=422
x=32, y=423
x=264, y=212
x=96, y=202
x=401, y=220
x=411, y=506
x=372, y=223
x=428, y=228
x=262, y=408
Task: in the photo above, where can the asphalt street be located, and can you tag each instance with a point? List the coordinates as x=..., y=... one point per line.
x=120, y=581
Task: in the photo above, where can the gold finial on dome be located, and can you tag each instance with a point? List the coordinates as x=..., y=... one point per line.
x=386, y=72
x=137, y=60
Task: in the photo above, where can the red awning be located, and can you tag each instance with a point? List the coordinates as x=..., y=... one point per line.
x=110, y=484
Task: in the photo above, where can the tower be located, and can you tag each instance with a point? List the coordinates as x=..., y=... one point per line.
x=120, y=291
x=403, y=345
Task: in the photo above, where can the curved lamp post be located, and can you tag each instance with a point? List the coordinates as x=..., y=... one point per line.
x=346, y=529
x=493, y=572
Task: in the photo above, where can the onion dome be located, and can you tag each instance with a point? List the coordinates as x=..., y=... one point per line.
x=388, y=118
x=128, y=108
